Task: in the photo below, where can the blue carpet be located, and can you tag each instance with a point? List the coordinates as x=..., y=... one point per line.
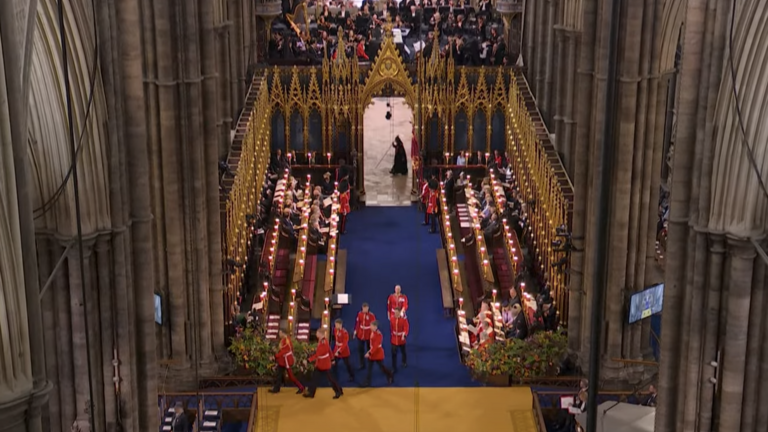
x=235, y=427
x=389, y=246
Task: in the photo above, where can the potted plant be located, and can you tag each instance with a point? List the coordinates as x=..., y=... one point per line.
x=254, y=355
x=514, y=360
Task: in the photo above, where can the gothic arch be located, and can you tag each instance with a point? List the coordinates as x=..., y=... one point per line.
x=388, y=68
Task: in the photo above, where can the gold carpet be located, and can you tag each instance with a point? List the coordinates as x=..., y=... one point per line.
x=398, y=410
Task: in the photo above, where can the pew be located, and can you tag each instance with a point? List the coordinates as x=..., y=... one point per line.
x=474, y=281
x=445, y=283
x=341, y=275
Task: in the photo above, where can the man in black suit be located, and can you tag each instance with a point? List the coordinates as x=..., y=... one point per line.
x=180, y=422
x=450, y=193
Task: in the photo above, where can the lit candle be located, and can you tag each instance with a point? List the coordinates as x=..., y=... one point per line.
x=329, y=158
x=309, y=158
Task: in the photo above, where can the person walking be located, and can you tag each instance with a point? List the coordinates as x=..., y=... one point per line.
x=323, y=359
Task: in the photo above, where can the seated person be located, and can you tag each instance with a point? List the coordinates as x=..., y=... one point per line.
x=316, y=236
x=549, y=316
x=507, y=319
x=326, y=186
x=519, y=328
x=492, y=227
x=513, y=297
x=294, y=214
x=482, y=327
x=287, y=225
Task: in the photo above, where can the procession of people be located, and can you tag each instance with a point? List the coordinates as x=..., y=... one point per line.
x=370, y=350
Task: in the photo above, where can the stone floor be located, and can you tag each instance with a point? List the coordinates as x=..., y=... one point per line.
x=381, y=188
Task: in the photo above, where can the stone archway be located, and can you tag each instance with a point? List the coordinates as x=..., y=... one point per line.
x=388, y=69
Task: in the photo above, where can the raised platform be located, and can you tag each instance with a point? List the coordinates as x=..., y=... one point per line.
x=399, y=409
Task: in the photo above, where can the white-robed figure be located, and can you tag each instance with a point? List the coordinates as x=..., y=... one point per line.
x=482, y=326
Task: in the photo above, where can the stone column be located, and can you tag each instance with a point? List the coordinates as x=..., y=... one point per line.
x=754, y=342
x=740, y=267
x=79, y=284
x=14, y=134
x=210, y=177
x=545, y=98
x=138, y=173
x=711, y=330
x=584, y=88
x=669, y=371
x=267, y=10
x=103, y=358
x=47, y=259
x=622, y=244
x=762, y=397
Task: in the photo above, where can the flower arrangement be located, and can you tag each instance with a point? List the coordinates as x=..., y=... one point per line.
x=255, y=354
x=535, y=357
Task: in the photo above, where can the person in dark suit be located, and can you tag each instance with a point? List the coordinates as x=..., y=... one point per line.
x=519, y=327
x=450, y=194
x=180, y=422
x=279, y=163
x=549, y=316
x=650, y=401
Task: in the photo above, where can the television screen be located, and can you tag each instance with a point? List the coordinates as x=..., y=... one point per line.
x=646, y=303
x=158, y=309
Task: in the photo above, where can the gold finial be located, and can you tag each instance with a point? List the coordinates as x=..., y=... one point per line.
x=388, y=25
x=340, y=35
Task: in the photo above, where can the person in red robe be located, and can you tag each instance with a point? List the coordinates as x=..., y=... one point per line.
x=399, y=328
x=285, y=361
x=341, y=349
x=363, y=332
x=395, y=301
x=344, y=208
x=376, y=355
x=323, y=359
x=430, y=214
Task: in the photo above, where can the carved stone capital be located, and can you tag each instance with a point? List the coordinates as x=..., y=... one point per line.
x=509, y=7
x=268, y=9
x=741, y=248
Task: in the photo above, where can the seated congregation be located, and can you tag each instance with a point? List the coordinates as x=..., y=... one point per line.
x=504, y=295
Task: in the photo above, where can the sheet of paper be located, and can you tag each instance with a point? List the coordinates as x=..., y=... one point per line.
x=325, y=230
x=566, y=402
x=327, y=202
x=342, y=298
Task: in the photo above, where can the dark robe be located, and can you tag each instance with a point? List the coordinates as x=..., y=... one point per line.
x=401, y=159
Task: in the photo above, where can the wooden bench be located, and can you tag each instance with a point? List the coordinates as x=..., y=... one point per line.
x=341, y=275
x=280, y=278
x=503, y=268
x=445, y=283
x=308, y=282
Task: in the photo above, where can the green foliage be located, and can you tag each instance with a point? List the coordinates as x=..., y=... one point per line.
x=256, y=354
x=535, y=357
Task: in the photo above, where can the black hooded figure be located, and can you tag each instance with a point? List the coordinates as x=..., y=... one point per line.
x=401, y=159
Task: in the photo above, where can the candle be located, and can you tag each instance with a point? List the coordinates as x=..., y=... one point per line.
x=309, y=158
x=329, y=158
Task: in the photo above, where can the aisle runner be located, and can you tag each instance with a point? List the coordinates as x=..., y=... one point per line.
x=388, y=246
